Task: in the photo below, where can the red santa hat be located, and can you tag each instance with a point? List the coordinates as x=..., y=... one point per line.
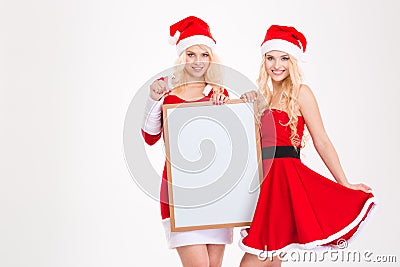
x=285, y=39
x=190, y=31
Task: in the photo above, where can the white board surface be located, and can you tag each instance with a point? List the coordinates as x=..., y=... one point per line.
x=213, y=159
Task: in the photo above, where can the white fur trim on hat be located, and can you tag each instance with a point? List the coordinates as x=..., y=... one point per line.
x=282, y=45
x=194, y=40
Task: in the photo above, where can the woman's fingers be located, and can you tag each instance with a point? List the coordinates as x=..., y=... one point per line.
x=361, y=187
x=219, y=99
x=158, y=88
x=249, y=96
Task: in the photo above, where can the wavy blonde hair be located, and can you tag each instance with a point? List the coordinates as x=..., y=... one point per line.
x=213, y=75
x=291, y=86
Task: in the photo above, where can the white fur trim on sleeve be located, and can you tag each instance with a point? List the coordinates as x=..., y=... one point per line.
x=152, y=116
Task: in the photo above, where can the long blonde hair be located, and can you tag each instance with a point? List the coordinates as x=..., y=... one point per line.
x=291, y=86
x=213, y=75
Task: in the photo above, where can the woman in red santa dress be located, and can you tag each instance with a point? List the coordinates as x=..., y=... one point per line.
x=196, y=78
x=297, y=207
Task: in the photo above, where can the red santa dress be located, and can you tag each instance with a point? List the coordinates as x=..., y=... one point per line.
x=151, y=131
x=297, y=207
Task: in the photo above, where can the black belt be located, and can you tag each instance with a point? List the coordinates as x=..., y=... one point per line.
x=280, y=152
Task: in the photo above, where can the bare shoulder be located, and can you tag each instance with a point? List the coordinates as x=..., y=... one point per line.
x=305, y=91
x=306, y=96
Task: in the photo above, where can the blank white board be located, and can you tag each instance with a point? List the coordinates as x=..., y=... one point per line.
x=213, y=164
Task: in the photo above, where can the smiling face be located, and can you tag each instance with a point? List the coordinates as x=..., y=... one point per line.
x=197, y=62
x=277, y=65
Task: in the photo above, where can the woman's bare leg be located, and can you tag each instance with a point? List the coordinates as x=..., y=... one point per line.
x=215, y=254
x=194, y=256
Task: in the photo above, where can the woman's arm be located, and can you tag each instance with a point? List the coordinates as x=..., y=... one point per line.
x=152, y=121
x=312, y=117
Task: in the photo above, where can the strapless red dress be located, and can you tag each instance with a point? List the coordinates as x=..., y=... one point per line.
x=297, y=207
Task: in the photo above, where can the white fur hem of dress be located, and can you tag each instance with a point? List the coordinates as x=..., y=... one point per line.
x=196, y=237
x=317, y=244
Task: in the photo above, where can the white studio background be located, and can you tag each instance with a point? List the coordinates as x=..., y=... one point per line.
x=69, y=69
